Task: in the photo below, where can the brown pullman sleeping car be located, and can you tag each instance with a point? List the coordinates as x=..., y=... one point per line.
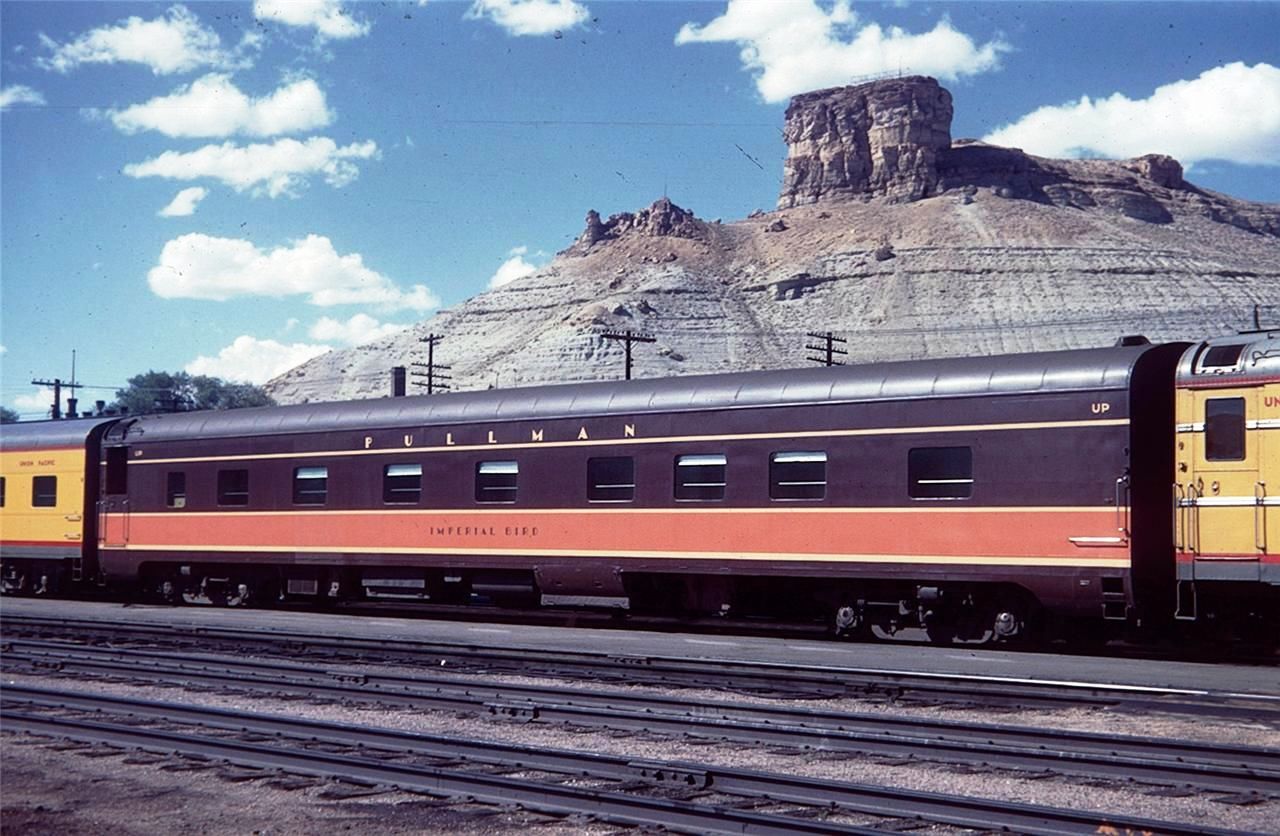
x=972, y=496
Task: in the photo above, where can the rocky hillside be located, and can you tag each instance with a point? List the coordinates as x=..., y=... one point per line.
x=906, y=243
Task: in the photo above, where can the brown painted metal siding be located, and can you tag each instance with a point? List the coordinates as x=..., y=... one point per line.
x=1073, y=465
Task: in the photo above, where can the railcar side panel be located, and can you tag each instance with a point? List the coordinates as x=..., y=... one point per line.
x=1038, y=510
x=1227, y=483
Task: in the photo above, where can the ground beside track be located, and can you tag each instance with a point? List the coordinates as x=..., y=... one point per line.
x=1252, y=679
x=49, y=790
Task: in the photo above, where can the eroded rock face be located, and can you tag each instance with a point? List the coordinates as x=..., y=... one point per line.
x=662, y=219
x=1160, y=169
x=880, y=139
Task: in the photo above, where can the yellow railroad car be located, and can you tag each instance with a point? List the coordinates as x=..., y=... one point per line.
x=1227, y=480
x=48, y=500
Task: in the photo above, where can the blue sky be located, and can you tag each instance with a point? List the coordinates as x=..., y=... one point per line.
x=230, y=188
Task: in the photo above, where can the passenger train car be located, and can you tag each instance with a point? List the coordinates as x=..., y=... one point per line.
x=975, y=497
x=1227, y=482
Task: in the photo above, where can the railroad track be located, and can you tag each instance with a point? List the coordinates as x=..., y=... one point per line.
x=1155, y=761
x=692, y=797
x=767, y=679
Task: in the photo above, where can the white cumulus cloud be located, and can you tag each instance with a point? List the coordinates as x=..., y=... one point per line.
x=176, y=42
x=38, y=401
x=793, y=46
x=214, y=106
x=17, y=94
x=357, y=330
x=279, y=168
x=530, y=17
x=1226, y=113
x=515, y=267
x=325, y=16
x=251, y=360
x=184, y=203
x=198, y=266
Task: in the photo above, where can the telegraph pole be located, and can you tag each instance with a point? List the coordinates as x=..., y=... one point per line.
x=435, y=372
x=58, y=385
x=629, y=337
x=828, y=350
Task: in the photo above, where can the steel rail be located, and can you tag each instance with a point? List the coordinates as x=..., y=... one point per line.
x=471, y=786
x=1223, y=768
x=829, y=796
x=771, y=678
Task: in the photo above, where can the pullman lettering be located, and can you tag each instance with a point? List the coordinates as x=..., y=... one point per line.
x=491, y=437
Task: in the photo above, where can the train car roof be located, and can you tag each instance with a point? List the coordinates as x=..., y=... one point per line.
x=1057, y=371
x=47, y=435
x=1241, y=359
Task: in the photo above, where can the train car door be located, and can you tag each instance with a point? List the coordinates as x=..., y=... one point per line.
x=1226, y=489
x=113, y=507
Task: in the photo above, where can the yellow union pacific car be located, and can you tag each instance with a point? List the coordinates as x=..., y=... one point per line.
x=1227, y=480
x=48, y=496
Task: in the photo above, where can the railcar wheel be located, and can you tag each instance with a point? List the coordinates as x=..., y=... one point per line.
x=168, y=592
x=850, y=623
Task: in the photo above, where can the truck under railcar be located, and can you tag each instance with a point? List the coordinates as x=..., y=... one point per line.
x=971, y=496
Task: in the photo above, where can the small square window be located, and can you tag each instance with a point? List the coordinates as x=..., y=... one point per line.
x=798, y=475
x=402, y=484
x=44, y=491
x=611, y=479
x=233, y=487
x=496, y=481
x=175, y=489
x=1224, y=428
x=310, y=485
x=940, y=473
x=701, y=477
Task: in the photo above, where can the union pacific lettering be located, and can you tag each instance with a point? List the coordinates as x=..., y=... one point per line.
x=447, y=438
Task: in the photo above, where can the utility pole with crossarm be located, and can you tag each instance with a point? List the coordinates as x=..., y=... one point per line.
x=435, y=372
x=828, y=350
x=627, y=338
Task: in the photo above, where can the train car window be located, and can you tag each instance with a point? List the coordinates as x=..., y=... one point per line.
x=44, y=491
x=401, y=484
x=1222, y=356
x=496, y=481
x=233, y=487
x=798, y=475
x=1, y=491
x=701, y=477
x=175, y=489
x=940, y=472
x=1224, y=429
x=311, y=485
x=117, y=470
x=611, y=479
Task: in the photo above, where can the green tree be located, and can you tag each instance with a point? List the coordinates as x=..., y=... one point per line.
x=8, y=416
x=178, y=391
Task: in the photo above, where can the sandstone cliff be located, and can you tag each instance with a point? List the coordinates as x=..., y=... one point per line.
x=881, y=139
x=888, y=233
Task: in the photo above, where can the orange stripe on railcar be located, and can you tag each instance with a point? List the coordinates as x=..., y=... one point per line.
x=997, y=535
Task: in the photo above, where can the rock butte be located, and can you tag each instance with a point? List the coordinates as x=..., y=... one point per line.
x=888, y=232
